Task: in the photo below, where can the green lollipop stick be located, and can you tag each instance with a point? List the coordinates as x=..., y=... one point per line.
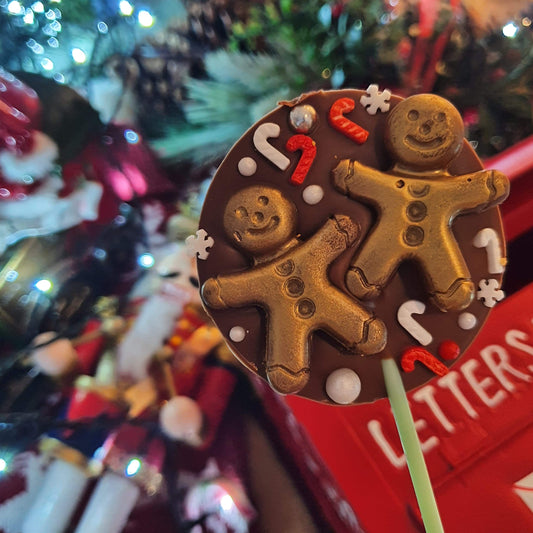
x=411, y=446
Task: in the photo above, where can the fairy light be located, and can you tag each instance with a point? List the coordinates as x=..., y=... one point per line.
x=14, y=7
x=125, y=8
x=146, y=260
x=145, y=18
x=226, y=502
x=47, y=64
x=102, y=27
x=133, y=467
x=131, y=136
x=79, y=56
x=510, y=30
x=43, y=285
x=29, y=17
x=11, y=276
x=38, y=7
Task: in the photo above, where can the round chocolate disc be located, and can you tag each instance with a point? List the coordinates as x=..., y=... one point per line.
x=347, y=226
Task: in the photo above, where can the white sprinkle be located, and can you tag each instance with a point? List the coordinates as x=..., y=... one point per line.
x=343, y=386
x=237, y=334
x=467, y=321
x=247, y=166
x=313, y=194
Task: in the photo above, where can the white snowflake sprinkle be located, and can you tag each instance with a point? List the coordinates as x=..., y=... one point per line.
x=490, y=292
x=375, y=100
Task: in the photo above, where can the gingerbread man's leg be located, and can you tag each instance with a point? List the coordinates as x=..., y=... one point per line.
x=352, y=325
x=371, y=271
x=287, y=350
x=447, y=276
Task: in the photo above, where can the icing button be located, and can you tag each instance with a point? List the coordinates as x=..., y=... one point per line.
x=416, y=211
x=413, y=235
x=305, y=308
x=286, y=268
x=294, y=287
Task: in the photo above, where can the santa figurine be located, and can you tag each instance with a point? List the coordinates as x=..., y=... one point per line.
x=34, y=197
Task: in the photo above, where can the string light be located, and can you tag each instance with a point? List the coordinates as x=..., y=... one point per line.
x=226, y=502
x=3, y=464
x=145, y=18
x=79, y=56
x=125, y=8
x=29, y=17
x=14, y=7
x=133, y=467
x=131, y=136
x=510, y=30
x=146, y=260
x=47, y=64
x=38, y=7
x=43, y=285
x=102, y=27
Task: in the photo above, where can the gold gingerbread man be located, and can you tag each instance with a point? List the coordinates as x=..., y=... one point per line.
x=416, y=203
x=289, y=280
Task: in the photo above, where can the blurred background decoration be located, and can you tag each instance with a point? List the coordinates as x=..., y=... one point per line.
x=113, y=117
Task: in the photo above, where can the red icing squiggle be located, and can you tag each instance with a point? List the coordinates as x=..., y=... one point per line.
x=410, y=355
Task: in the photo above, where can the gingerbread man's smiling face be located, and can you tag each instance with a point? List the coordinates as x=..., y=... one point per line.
x=259, y=219
x=425, y=132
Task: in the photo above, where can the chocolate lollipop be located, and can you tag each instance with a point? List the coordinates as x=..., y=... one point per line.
x=349, y=234
x=346, y=226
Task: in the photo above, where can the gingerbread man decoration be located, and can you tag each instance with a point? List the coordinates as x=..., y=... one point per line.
x=417, y=201
x=289, y=281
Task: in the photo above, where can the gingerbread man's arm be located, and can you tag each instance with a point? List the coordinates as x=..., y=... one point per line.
x=336, y=235
x=479, y=190
x=358, y=181
x=234, y=290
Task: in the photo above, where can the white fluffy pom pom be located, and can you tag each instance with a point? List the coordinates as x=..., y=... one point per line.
x=38, y=163
x=181, y=419
x=56, y=358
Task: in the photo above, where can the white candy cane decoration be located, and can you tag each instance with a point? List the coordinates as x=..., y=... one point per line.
x=406, y=320
x=261, y=135
x=487, y=238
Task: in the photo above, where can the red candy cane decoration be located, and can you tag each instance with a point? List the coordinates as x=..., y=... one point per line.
x=410, y=355
x=344, y=125
x=308, y=148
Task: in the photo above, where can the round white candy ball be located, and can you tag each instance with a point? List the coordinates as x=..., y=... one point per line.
x=181, y=419
x=343, y=386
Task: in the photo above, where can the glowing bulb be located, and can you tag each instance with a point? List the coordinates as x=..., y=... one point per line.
x=28, y=17
x=79, y=56
x=3, y=464
x=146, y=260
x=145, y=18
x=38, y=7
x=125, y=8
x=226, y=502
x=47, y=64
x=102, y=27
x=133, y=467
x=510, y=30
x=14, y=7
x=11, y=276
x=43, y=285
x=131, y=136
